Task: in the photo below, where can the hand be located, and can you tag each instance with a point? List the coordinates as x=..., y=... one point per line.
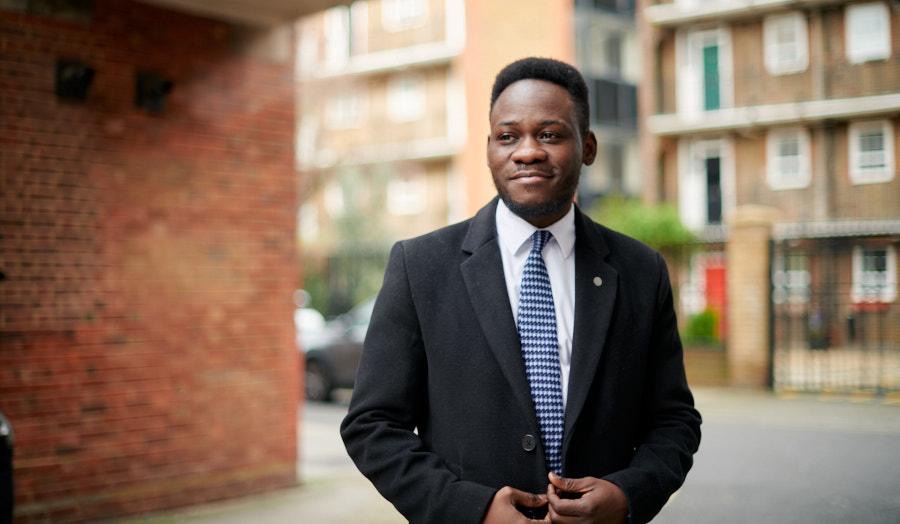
x=585, y=500
x=503, y=506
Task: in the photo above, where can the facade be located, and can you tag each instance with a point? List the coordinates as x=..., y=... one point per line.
x=394, y=102
x=147, y=255
x=794, y=107
x=606, y=50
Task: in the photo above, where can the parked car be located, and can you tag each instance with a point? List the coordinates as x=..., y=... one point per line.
x=332, y=353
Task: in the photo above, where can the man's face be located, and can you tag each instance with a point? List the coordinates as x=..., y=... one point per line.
x=536, y=149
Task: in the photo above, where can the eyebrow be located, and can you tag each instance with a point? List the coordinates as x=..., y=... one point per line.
x=542, y=123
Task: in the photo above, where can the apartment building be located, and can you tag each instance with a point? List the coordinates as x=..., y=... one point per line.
x=395, y=99
x=786, y=111
x=607, y=53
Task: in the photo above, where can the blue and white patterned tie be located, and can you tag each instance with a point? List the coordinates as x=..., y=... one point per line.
x=540, y=349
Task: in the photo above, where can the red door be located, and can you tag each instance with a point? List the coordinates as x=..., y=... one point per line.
x=717, y=296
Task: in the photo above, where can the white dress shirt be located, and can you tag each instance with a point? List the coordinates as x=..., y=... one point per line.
x=514, y=237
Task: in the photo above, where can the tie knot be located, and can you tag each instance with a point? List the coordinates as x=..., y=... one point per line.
x=539, y=240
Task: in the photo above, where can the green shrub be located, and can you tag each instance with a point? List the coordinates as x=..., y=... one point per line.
x=702, y=328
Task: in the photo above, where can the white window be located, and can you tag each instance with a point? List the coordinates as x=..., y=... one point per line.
x=307, y=49
x=704, y=71
x=406, y=98
x=788, y=158
x=306, y=142
x=359, y=27
x=871, y=152
x=874, y=274
x=786, y=47
x=705, y=182
x=337, y=37
x=791, y=280
x=345, y=110
x=406, y=195
x=397, y=15
x=333, y=197
x=867, y=32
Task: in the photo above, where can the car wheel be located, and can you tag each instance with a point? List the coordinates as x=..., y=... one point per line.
x=318, y=387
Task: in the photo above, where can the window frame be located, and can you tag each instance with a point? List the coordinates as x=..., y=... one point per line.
x=851, y=46
x=394, y=20
x=858, y=174
x=403, y=106
x=775, y=65
x=888, y=292
x=775, y=177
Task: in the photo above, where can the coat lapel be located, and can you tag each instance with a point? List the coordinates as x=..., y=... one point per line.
x=483, y=275
x=593, y=312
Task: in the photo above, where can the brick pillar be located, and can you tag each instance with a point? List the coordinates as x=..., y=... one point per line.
x=747, y=251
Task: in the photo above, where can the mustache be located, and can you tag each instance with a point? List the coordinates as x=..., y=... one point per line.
x=531, y=168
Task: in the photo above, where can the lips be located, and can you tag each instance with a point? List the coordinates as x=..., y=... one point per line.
x=533, y=173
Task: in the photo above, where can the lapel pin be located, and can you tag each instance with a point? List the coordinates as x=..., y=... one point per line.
x=598, y=281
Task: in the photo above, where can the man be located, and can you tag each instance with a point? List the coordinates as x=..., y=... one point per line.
x=525, y=362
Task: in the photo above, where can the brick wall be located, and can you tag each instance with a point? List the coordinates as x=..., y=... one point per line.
x=146, y=337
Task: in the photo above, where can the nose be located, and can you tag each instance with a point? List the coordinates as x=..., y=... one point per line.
x=528, y=151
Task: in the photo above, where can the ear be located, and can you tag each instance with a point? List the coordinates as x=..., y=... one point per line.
x=487, y=150
x=589, y=148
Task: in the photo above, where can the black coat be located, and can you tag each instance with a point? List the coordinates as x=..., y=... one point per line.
x=442, y=416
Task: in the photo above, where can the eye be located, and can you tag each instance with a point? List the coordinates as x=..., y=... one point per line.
x=548, y=136
x=505, y=137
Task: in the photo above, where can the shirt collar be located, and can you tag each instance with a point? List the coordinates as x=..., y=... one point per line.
x=514, y=232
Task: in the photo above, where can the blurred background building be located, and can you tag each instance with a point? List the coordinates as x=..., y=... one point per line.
x=393, y=97
x=774, y=122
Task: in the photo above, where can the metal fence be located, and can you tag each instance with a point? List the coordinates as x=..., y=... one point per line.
x=835, y=319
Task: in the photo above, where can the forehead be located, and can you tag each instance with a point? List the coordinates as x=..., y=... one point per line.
x=532, y=98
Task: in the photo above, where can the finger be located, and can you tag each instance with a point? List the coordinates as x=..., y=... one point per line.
x=530, y=500
x=556, y=518
x=578, y=485
x=565, y=507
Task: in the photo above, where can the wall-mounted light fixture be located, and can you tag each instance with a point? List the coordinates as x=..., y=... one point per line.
x=151, y=90
x=73, y=79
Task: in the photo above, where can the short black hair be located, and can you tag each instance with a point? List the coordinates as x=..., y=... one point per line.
x=559, y=73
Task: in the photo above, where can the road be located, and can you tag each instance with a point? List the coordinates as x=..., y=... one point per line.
x=763, y=459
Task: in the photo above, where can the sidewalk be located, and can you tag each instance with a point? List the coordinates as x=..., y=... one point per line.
x=333, y=491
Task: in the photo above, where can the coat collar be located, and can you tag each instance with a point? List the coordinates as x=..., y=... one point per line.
x=596, y=284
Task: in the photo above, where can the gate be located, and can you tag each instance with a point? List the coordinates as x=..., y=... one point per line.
x=835, y=320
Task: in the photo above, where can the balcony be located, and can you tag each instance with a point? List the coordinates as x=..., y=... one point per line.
x=773, y=114
x=677, y=14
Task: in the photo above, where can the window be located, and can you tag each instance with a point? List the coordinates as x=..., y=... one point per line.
x=786, y=45
x=867, y=33
x=337, y=37
x=791, y=279
x=344, y=110
x=874, y=274
x=397, y=15
x=704, y=70
x=788, y=159
x=406, y=195
x=406, y=98
x=705, y=182
x=871, y=152
x=614, y=103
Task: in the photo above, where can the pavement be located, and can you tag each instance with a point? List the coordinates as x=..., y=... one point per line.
x=764, y=458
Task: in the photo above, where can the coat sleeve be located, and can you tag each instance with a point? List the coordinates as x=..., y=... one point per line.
x=670, y=426
x=389, y=397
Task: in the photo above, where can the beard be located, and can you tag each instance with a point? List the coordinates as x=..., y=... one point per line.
x=553, y=206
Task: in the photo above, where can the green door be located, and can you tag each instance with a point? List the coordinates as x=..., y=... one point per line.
x=711, y=77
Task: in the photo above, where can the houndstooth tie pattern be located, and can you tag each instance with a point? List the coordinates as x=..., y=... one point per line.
x=540, y=349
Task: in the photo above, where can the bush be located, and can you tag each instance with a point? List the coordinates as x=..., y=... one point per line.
x=657, y=226
x=702, y=328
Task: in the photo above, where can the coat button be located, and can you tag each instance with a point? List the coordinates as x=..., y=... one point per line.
x=529, y=442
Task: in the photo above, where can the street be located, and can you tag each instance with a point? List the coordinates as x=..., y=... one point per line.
x=763, y=458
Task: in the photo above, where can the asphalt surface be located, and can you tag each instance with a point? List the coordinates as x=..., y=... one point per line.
x=763, y=458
